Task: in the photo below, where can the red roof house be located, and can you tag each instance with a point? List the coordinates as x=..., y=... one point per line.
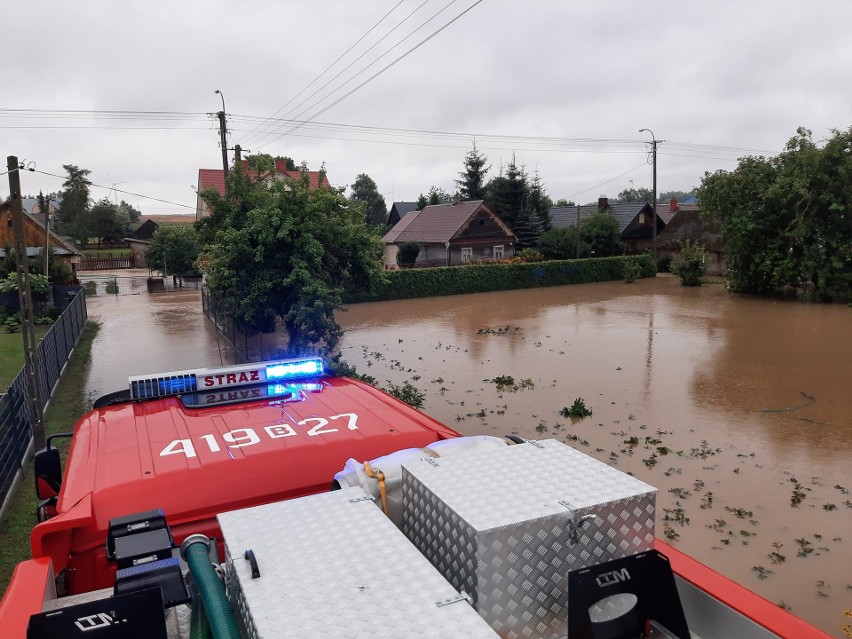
x=215, y=179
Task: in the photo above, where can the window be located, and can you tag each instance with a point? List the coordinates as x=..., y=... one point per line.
x=641, y=218
x=498, y=252
x=466, y=254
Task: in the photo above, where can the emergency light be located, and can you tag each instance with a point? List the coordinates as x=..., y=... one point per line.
x=209, y=379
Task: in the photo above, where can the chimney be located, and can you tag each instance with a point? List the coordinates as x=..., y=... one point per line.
x=673, y=205
x=603, y=202
x=456, y=199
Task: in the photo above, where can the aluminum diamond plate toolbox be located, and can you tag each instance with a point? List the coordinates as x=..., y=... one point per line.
x=333, y=565
x=506, y=526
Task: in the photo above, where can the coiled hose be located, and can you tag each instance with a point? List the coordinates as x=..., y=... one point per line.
x=195, y=551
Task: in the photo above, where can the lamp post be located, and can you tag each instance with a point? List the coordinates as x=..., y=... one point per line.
x=654, y=142
x=222, y=133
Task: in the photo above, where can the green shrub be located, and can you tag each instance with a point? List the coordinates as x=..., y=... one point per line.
x=529, y=255
x=408, y=252
x=632, y=271
x=688, y=265
x=112, y=288
x=578, y=409
x=12, y=324
x=38, y=284
x=457, y=280
x=664, y=264
x=91, y=288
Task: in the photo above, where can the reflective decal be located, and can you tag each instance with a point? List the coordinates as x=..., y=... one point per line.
x=245, y=437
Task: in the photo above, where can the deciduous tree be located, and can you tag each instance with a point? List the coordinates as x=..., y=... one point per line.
x=278, y=251
x=785, y=221
x=635, y=195
x=174, y=250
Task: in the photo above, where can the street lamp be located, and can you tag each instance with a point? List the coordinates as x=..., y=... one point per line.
x=654, y=142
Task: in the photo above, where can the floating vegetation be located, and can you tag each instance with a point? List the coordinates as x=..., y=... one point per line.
x=762, y=573
x=699, y=484
x=829, y=507
x=704, y=450
x=775, y=556
x=541, y=428
x=578, y=409
x=499, y=331
x=843, y=490
x=670, y=533
x=651, y=461
x=798, y=495
x=407, y=393
x=741, y=513
x=680, y=493
x=676, y=514
x=632, y=441
x=805, y=547
x=507, y=383
x=707, y=500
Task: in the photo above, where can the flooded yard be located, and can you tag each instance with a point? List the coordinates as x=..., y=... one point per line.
x=737, y=410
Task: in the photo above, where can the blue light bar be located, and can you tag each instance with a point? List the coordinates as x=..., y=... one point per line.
x=294, y=370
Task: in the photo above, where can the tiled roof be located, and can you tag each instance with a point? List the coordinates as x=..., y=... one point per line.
x=689, y=225
x=434, y=224
x=215, y=178
x=625, y=212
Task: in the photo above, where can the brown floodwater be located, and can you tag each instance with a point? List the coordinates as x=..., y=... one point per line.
x=692, y=374
x=689, y=373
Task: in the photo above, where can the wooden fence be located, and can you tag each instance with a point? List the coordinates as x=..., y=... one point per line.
x=103, y=263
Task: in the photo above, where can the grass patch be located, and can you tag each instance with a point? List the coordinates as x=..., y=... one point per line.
x=67, y=405
x=12, y=354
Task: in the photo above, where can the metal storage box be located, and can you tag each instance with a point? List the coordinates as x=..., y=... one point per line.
x=506, y=526
x=333, y=565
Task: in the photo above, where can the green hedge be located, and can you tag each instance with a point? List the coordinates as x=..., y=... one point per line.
x=480, y=278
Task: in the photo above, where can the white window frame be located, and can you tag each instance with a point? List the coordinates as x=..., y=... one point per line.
x=498, y=252
x=467, y=254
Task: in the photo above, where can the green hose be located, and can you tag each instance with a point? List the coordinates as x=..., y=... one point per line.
x=199, y=628
x=195, y=551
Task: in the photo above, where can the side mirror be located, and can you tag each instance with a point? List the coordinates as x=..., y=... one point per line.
x=48, y=473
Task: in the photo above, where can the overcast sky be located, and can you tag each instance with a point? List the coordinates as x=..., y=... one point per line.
x=565, y=85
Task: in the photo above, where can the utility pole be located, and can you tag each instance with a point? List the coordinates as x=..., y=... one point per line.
x=32, y=368
x=578, y=231
x=223, y=133
x=45, y=203
x=654, y=143
x=223, y=140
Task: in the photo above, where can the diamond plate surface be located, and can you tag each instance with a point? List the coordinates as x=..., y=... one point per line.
x=497, y=525
x=331, y=567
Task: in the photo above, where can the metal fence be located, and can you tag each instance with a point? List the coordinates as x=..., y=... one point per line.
x=15, y=418
x=247, y=347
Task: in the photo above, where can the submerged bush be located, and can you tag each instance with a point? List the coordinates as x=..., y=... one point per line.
x=688, y=265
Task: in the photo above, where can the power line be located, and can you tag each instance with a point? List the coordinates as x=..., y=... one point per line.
x=370, y=30
x=381, y=71
x=347, y=67
x=101, y=186
x=639, y=166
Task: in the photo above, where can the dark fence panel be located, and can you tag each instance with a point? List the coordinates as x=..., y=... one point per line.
x=15, y=418
x=103, y=263
x=254, y=347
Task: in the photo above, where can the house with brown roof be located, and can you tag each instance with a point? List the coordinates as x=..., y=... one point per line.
x=34, y=238
x=215, y=179
x=452, y=233
x=687, y=224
